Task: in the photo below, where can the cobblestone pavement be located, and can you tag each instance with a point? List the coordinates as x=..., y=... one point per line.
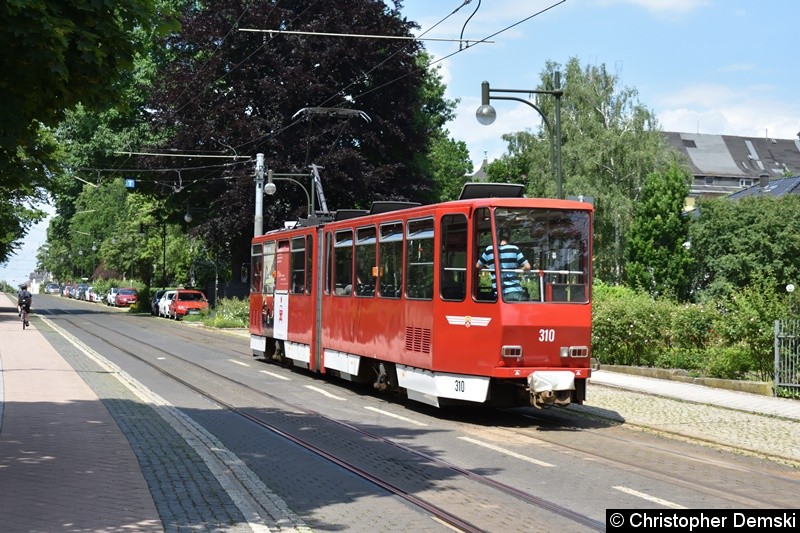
x=768, y=436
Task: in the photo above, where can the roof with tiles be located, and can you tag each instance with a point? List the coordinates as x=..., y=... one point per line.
x=737, y=157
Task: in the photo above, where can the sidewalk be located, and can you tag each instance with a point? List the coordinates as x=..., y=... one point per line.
x=740, y=401
x=64, y=463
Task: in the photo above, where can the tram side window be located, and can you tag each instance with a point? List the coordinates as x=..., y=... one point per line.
x=343, y=262
x=366, y=274
x=453, y=258
x=390, y=257
x=269, y=268
x=256, y=268
x=482, y=278
x=309, y=257
x=419, y=259
x=298, y=265
x=328, y=262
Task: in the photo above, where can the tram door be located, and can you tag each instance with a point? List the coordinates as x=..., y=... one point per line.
x=282, y=280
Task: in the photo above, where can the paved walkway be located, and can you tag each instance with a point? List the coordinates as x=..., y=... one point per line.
x=64, y=463
x=741, y=401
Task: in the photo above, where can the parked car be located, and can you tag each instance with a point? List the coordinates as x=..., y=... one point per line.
x=126, y=297
x=111, y=296
x=51, y=288
x=80, y=291
x=154, y=301
x=187, y=302
x=93, y=296
x=163, y=303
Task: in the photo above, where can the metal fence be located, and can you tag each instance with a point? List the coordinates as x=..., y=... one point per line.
x=787, y=355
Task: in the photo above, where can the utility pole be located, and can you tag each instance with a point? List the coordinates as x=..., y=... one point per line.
x=258, y=223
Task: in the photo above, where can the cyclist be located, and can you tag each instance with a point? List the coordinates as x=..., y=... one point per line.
x=24, y=301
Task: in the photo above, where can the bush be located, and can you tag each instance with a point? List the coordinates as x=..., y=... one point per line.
x=693, y=360
x=229, y=313
x=728, y=362
x=628, y=328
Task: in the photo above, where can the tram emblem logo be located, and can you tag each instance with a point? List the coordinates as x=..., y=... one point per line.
x=468, y=321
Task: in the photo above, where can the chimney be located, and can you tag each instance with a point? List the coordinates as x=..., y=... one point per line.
x=763, y=180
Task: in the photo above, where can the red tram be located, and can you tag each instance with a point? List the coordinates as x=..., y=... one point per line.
x=394, y=297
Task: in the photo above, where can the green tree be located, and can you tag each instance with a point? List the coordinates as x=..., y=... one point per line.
x=243, y=95
x=738, y=243
x=450, y=164
x=55, y=56
x=657, y=260
x=610, y=143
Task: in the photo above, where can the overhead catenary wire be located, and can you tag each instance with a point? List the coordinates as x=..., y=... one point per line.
x=470, y=43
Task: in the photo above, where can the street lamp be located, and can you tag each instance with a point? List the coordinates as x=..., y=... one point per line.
x=486, y=115
x=271, y=189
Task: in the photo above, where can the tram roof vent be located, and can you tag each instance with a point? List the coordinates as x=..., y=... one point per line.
x=491, y=190
x=344, y=214
x=385, y=207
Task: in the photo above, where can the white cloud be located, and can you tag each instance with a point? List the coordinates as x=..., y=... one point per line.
x=750, y=111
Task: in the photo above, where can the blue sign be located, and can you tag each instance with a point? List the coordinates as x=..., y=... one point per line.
x=129, y=183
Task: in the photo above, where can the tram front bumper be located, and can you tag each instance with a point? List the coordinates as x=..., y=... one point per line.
x=549, y=387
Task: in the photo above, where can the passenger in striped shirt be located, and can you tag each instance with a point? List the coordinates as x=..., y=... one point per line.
x=511, y=259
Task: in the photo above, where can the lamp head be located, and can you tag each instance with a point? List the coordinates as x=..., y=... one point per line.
x=270, y=188
x=486, y=114
x=187, y=217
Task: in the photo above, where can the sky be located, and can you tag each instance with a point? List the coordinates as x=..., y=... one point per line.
x=702, y=66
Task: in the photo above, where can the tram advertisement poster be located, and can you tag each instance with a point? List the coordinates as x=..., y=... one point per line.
x=281, y=314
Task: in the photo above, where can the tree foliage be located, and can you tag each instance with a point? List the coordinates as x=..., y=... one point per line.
x=229, y=92
x=736, y=244
x=610, y=143
x=55, y=56
x=657, y=260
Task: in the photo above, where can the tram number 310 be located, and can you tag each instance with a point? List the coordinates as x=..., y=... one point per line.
x=460, y=386
x=547, y=335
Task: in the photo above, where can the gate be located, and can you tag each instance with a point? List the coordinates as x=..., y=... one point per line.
x=787, y=355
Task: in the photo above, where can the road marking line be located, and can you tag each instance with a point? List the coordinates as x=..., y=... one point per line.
x=278, y=376
x=387, y=413
x=240, y=363
x=325, y=393
x=649, y=498
x=507, y=452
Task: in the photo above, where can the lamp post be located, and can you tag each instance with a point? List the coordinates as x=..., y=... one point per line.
x=486, y=115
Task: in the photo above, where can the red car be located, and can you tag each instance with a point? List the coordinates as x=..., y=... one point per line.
x=126, y=297
x=187, y=302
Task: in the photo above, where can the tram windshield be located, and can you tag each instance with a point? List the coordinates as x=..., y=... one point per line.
x=543, y=255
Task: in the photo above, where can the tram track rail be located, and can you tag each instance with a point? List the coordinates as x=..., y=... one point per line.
x=608, y=455
x=451, y=518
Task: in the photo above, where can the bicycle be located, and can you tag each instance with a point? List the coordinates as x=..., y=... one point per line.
x=24, y=315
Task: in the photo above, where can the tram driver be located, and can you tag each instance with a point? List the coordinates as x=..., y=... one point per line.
x=511, y=259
